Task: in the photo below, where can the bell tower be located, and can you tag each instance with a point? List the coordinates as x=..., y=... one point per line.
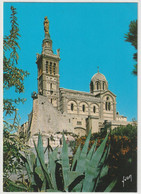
x=48, y=69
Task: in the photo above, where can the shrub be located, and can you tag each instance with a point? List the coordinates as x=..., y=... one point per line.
x=85, y=173
x=122, y=160
x=12, y=163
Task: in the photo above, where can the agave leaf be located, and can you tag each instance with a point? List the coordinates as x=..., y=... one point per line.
x=40, y=173
x=25, y=159
x=92, y=150
x=82, y=159
x=97, y=156
x=43, y=188
x=93, y=169
x=81, y=163
x=52, y=167
x=111, y=186
x=43, y=166
x=72, y=176
x=76, y=156
x=104, y=171
x=103, y=168
x=31, y=160
x=89, y=156
x=53, y=155
x=40, y=149
x=65, y=163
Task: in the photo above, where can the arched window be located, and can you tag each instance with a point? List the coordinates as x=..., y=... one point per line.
x=46, y=66
x=83, y=108
x=51, y=86
x=94, y=109
x=107, y=104
x=72, y=106
x=54, y=68
x=91, y=87
x=50, y=67
x=97, y=85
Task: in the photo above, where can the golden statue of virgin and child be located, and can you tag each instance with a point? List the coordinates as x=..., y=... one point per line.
x=46, y=25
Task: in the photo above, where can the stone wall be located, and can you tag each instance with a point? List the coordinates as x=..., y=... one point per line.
x=47, y=119
x=78, y=99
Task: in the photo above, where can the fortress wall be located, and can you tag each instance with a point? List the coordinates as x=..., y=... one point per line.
x=47, y=119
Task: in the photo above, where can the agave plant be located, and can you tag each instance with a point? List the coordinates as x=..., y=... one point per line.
x=84, y=175
x=89, y=167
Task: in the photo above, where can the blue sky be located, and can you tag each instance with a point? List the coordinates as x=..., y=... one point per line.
x=88, y=35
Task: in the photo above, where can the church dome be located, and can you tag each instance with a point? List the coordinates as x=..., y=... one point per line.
x=98, y=83
x=98, y=77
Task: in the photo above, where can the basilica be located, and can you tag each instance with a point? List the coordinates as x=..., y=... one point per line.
x=56, y=109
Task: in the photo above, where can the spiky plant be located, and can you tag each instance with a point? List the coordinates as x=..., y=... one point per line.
x=84, y=175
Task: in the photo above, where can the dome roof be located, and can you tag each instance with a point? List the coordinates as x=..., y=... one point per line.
x=98, y=76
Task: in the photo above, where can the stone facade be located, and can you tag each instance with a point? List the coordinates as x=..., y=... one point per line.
x=56, y=109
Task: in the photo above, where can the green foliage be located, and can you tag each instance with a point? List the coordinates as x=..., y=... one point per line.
x=87, y=169
x=12, y=145
x=129, y=131
x=131, y=37
x=11, y=154
x=122, y=160
x=123, y=157
x=10, y=186
x=12, y=163
x=12, y=76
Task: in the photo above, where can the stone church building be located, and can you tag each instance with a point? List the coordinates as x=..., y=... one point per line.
x=56, y=109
